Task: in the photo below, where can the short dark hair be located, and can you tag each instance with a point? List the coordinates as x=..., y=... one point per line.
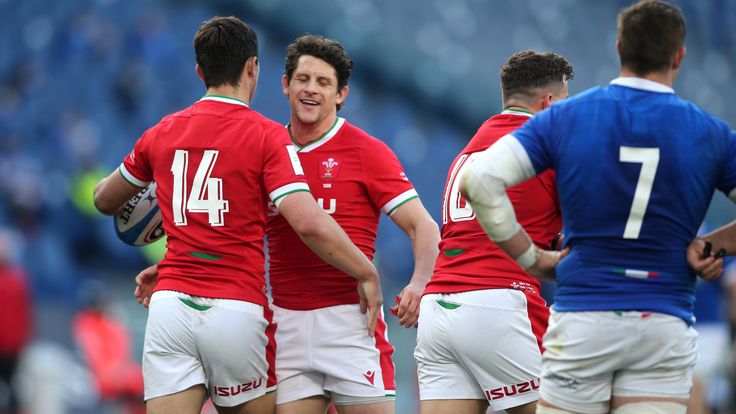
x=222, y=45
x=329, y=50
x=529, y=70
x=650, y=32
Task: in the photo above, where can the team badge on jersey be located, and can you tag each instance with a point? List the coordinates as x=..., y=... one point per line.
x=328, y=168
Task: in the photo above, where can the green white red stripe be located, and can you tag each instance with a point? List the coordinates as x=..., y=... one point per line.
x=638, y=274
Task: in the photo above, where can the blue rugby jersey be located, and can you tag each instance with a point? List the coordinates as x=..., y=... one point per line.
x=636, y=169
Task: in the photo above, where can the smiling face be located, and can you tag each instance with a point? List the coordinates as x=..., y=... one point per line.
x=313, y=93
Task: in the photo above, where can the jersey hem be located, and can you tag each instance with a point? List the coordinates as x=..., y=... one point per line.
x=689, y=319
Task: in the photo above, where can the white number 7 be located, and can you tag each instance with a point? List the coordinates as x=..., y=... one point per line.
x=206, y=195
x=649, y=159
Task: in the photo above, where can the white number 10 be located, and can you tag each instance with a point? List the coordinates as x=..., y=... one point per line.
x=649, y=159
x=206, y=194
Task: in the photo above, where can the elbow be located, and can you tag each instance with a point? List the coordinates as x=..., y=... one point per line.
x=307, y=227
x=105, y=208
x=103, y=205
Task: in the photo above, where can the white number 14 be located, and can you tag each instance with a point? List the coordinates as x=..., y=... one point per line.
x=649, y=159
x=206, y=193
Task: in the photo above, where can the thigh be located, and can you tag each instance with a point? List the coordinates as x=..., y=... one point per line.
x=299, y=387
x=297, y=378
x=453, y=406
x=479, y=345
x=188, y=401
x=385, y=407
x=310, y=405
x=441, y=375
x=582, y=352
x=354, y=363
x=170, y=358
x=265, y=404
x=234, y=346
x=661, y=366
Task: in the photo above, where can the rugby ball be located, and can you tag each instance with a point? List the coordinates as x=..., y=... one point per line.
x=138, y=222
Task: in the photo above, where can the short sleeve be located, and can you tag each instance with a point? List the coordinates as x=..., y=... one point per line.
x=387, y=185
x=536, y=136
x=136, y=167
x=282, y=171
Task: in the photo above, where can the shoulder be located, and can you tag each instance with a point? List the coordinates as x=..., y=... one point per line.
x=709, y=120
x=364, y=141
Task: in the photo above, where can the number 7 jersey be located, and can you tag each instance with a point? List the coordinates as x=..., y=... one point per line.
x=636, y=169
x=216, y=165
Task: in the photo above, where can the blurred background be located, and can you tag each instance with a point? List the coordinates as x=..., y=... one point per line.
x=80, y=80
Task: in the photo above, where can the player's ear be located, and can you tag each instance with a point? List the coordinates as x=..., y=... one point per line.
x=679, y=56
x=285, y=85
x=342, y=94
x=199, y=72
x=545, y=100
x=251, y=66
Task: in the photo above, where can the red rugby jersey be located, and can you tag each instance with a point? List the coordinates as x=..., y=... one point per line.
x=354, y=177
x=468, y=259
x=216, y=164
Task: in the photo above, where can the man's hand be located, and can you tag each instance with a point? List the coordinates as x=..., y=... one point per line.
x=545, y=267
x=407, y=305
x=371, y=301
x=145, y=282
x=702, y=261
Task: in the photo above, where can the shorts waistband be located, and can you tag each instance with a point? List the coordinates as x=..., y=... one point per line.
x=232, y=304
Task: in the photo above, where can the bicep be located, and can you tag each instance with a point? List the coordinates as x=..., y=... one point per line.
x=298, y=208
x=410, y=214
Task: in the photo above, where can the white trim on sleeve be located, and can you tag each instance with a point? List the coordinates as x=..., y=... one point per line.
x=400, y=199
x=131, y=178
x=278, y=194
x=732, y=195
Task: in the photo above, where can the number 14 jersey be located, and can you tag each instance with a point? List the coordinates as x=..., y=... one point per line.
x=216, y=164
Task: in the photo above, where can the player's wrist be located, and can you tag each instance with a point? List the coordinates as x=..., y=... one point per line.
x=529, y=258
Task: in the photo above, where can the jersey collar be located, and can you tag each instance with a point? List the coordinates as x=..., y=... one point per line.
x=516, y=111
x=339, y=122
x=225, y=99
x=643, y=84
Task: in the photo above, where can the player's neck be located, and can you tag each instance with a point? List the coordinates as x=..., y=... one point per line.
x=303, y=134
x=665, y=77
x=238, y=93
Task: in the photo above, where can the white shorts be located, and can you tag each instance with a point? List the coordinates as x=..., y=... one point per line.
x=328, y=352
x=227, y=345
x=481, y=345
x=591, y=356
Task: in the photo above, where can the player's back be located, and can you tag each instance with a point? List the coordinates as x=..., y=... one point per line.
x=215, y=163
x=468, y=260
x=636, y=169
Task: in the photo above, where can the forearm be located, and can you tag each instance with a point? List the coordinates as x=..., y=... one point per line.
x=330, y=242
x=424, y=246
x=484, y=185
